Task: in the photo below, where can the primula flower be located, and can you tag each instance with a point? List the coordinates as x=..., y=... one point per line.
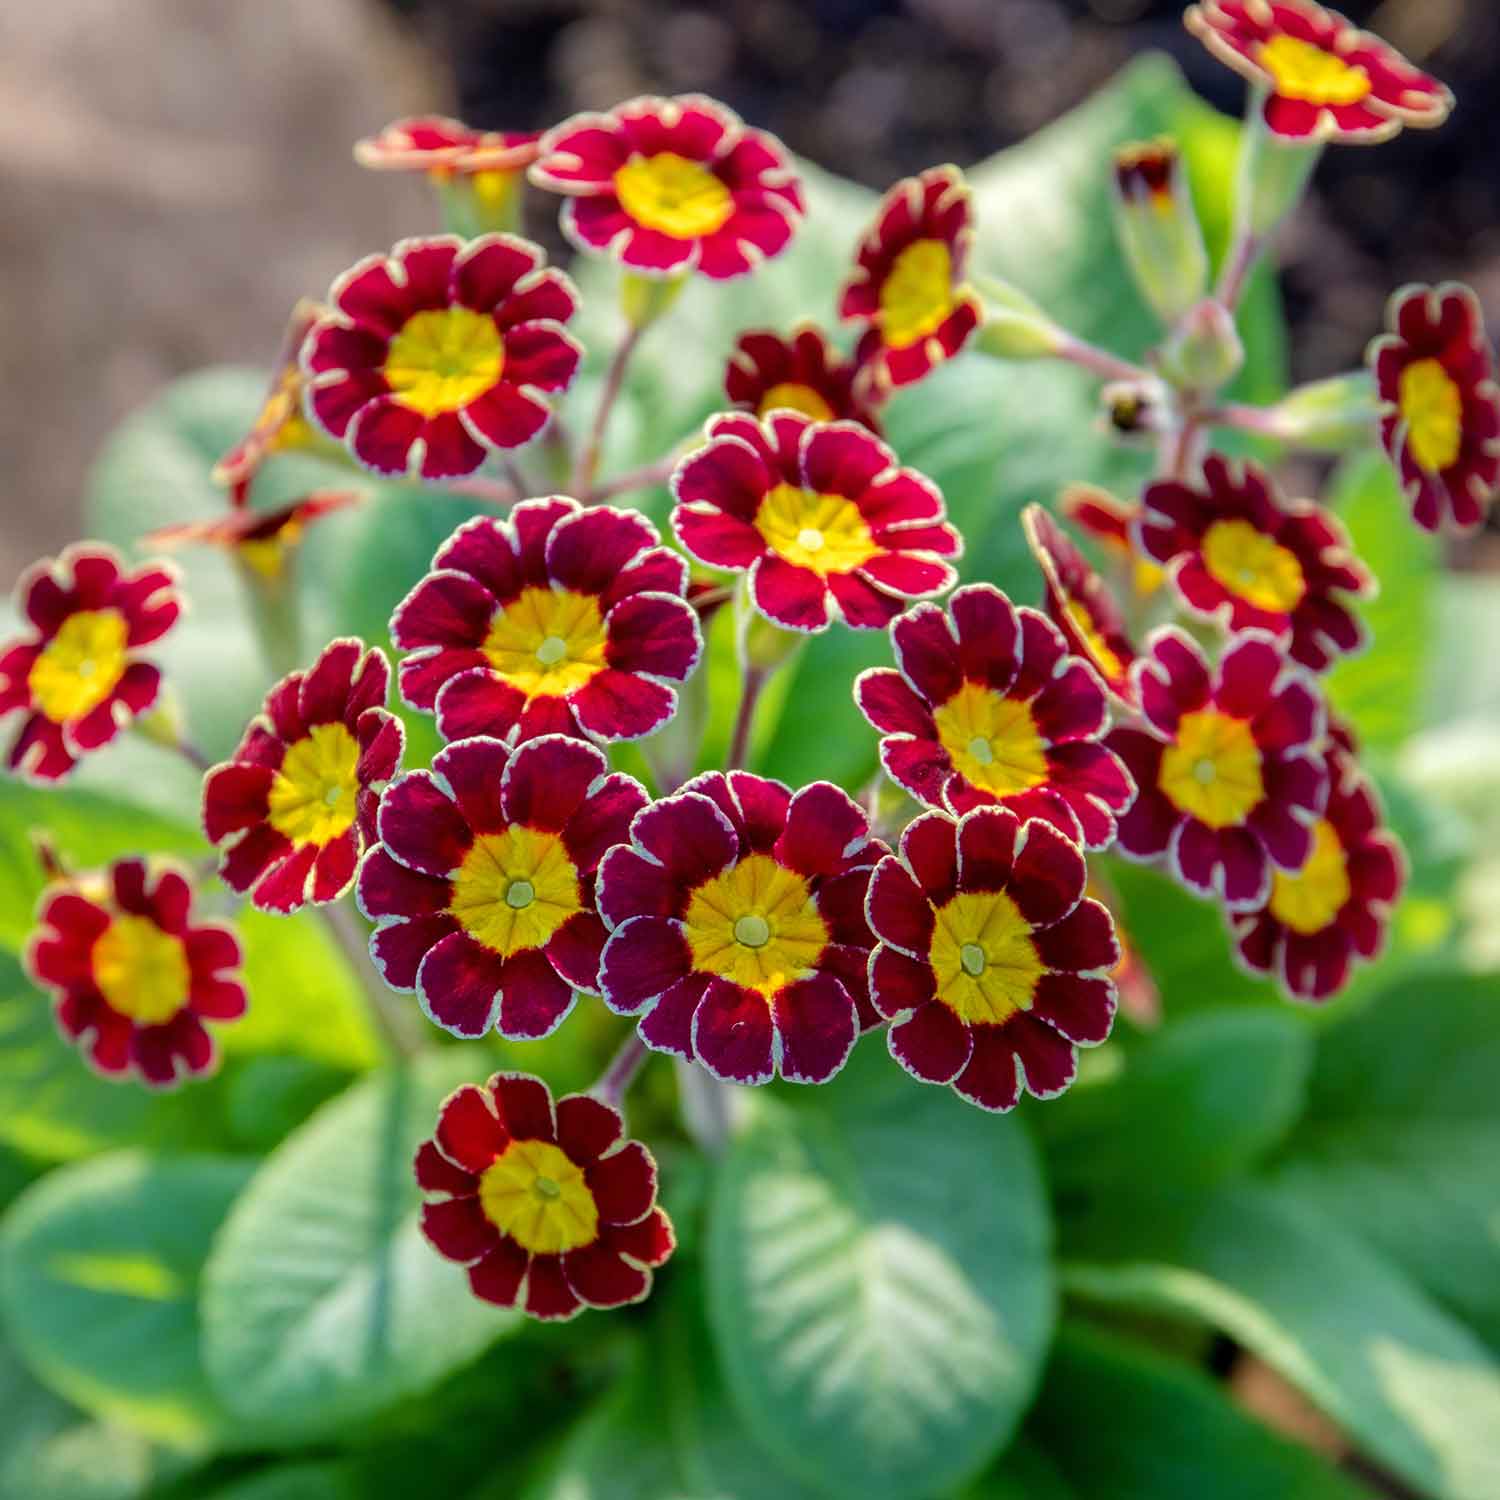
x=482, y=889
x=438, y=355
x=908, y=282
x=134, y=977
x=555, y=620
x=988, y=707
x=992, y=964
x=1440, y=423
x=261, y=539
x=737, y=927
x=1325, y=80
x=1108, y=519
x=294, y=808
x=76, y=676
x=668, y=186
x=1229, y=769
x=802, y=372
x=821, y=516
x=549, y=1207
x=438, y=143
x=1239, y=554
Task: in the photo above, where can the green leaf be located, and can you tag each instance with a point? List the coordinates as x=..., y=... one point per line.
x=322, y=1304
x=878, y=1282
x=314, y=1481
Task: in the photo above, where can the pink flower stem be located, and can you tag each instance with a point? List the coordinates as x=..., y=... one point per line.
x=739, y=742
x=621, y=1070
x=1257, y=419
x=1099, y=361
x=396, y=1024
x=1178, y=453
x=1242, y=257
x=588, y=460
x=647, y=477
x=498, y=493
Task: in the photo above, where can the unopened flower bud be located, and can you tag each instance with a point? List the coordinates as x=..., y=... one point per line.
x=1158, y=229
x=1014, y=326
x=1331, y=416
x=1204, y=351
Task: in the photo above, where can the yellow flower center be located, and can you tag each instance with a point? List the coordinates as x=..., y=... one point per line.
x=797, y=397
x=313, y=795
x=823, y=532
x=756, y=924
x=534, y=1194
x=983, y=958
x=267, y=555
x=1083, y=622
x=547, y=642
x=1213, y=772
x=515, y=889
x=1432, y=406
x=669, y=193
x=918, y=293
x=1253, y=567
x=80, y=666
x=1303, y=71
x=280, y=424
x=443, y=359
x=992, y=740
x=141, y=970
x=1309, y=900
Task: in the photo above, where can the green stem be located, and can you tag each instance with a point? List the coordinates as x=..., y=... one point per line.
x=395, y=1022
x=275, y=614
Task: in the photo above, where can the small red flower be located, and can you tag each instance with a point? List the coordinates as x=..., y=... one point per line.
x=990, y=955
x=437, y=143
x=77, y=676
x=802, y=372
x=668, y=186
x=262, y=539
x=294, y=808
x=439, y=354
x=482, y=888
x=737, y=927
x=1325, y=80
x=1440, y=424
x=1239, y=554
x=908, y=282
x=549, y=1207
x=821, y=516
x=555, y=620
x=1229, y=769
x=988, y=707
x=134, y=977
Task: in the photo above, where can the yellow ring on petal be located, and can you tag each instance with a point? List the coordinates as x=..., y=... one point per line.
x=80, y=666
x=141, y=971
x=1432, y=406
x=825, y=533
x=314, y=794
x=1213, y=770
x=673, y=195
x=793, y=395
x=1304, y=71
x=983, y=958
x=992, y=740
x=916, y=296
x=536, y=1195
x=547, y=642
x=515, y=889
x=1308, y=901
x=1253, y=566
x=444, y=358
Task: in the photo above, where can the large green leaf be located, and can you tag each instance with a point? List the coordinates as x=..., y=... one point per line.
x=311, y=1481
x=878, y=1282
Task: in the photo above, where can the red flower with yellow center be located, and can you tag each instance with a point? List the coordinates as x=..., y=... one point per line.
x=134, y=977
x=1324, y=79
x=550, y=1207
x=987, y=706
x=482, y=889
x=737, y=928
x=992, y=965
x=438, y=143
x=1108, y=519
x=1440, y=420
x=76, y=677
x=668, y=186
x=1229, y=768
x=819, y=514
x=802, y=372
x=262, y=539
x=1239, y=554
x=440, y=354
x=908, y=282
x=555, y=620
x=294, y=808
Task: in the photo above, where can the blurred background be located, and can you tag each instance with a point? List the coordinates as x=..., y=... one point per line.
x=175, y=174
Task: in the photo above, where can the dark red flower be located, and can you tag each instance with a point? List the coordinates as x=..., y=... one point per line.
x=438, y=143
x=802, y=372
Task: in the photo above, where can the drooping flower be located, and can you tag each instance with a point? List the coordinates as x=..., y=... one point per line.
x=802, y=372
x=668, y=186
x=1324, y=79
x=441, y=353
x=549, y=1206
x=262, y=539
x=988, y=707
x=1239, y=554
x=1108, y=519
x=556, y=619
x=133, y=975
x=438, y=143
x=1229, y=768
x=1440, y=422
x=819, y=514
x=737, y=926
x=76, y=676
x=992, y=965
x=294, y=808
x=908, y=283
x=482, y=888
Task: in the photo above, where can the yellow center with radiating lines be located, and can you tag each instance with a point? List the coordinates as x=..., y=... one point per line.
x=1308, y=901
x=1103, y=657
x=983, y=957
x=1213, y=771
x=992, y=740
x=80, y=666
x=547, y=642
x=756, y=924
x=1303, y=71
x=674, y=195
x=141, y=970
x=313, y=796
x=917, y=294
x=795, y=396
x=515, y=889
x=1432, y=406
x=536, y=1195
x=1253, y=567
x=823, y=532
x=443, y=359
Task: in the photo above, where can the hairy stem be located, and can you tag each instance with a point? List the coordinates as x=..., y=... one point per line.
x=621, y=1070
x=588, y=458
